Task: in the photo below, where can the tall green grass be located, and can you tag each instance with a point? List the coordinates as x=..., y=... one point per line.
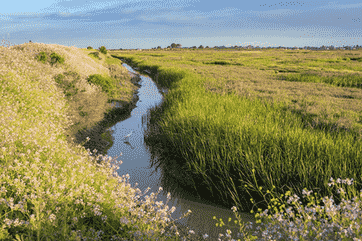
x=237, y=144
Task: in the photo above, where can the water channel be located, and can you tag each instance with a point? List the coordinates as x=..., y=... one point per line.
x=136, y=162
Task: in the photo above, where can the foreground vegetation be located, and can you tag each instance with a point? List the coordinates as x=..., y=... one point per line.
x=52, y=189
x=283, y=121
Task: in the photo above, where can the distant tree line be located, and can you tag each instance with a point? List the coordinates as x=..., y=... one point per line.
x=178, y=46
x=174, y=45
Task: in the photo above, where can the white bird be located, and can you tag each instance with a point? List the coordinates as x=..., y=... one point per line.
x=126, y=138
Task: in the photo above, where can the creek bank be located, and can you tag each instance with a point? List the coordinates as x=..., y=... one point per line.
x=99, y=134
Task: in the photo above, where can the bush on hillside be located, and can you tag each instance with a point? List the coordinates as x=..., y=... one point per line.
x=53, y=59
x=42, y=57
x=95, y=54
x=103, y=50
x=56, y=58
x=89, y=47
x=104, y=82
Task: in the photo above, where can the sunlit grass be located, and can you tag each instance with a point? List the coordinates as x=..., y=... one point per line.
x=222, y=127
x=51, y=189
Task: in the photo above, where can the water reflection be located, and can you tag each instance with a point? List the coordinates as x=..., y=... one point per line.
x=149, y=170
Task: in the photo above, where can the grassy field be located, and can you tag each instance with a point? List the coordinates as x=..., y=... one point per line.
x=230, y=115
x=275, y=119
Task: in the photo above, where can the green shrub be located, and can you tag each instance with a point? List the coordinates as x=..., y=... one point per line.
x=42, y=57
x=54, y=58
x=104, y=82
x=95, y=54
x=89, y=47
x=103, y=50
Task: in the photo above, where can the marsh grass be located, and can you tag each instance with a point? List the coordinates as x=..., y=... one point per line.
x=242, y=128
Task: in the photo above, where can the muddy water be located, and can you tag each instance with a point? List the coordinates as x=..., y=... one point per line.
x=136, y=162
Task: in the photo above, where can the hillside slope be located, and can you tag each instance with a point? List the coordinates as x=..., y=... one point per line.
x=50, y=188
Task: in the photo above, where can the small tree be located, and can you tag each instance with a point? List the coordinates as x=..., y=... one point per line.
x=206, y=47
x=201, y=47
x=89, y=47
x=159, y=47
x=168, y=47
x=173, y=45
x=103, y=50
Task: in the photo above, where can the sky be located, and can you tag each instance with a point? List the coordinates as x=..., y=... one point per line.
x=145, y=24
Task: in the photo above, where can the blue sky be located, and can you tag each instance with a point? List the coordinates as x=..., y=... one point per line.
x=151, y=23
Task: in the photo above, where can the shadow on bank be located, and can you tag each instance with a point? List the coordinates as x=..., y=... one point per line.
x=100, y=134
